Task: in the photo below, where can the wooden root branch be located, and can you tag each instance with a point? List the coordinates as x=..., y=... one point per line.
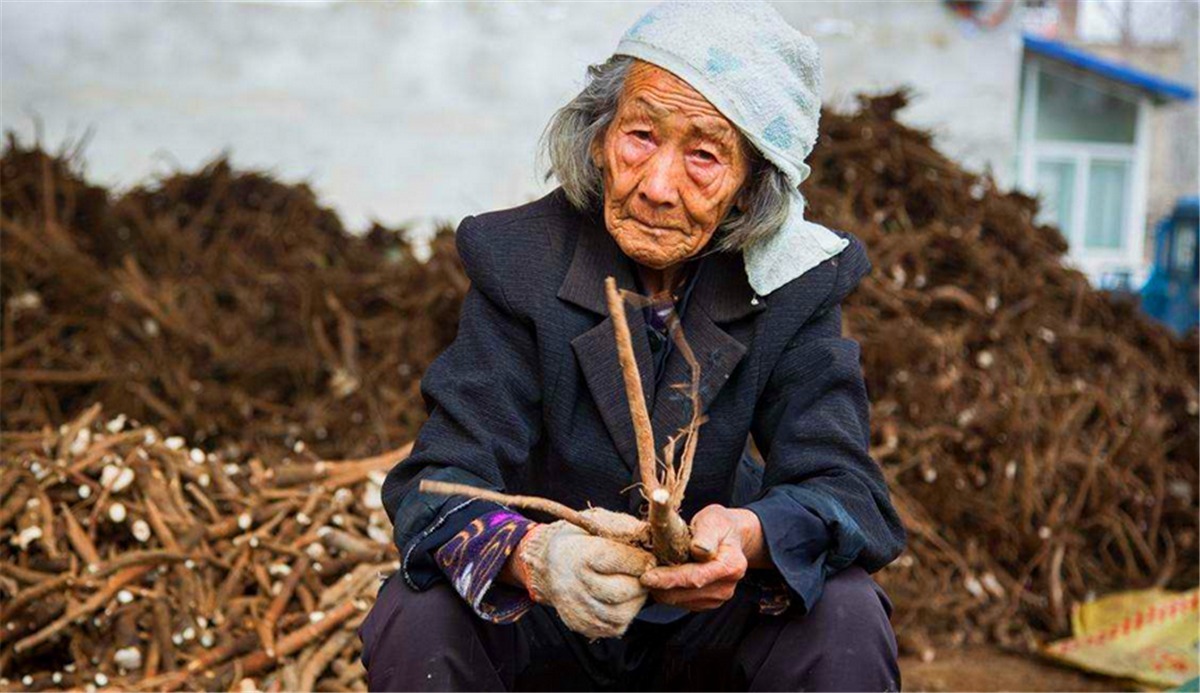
x=543, y=505
x=638, y=413
x=667, y=536
x=670, y=538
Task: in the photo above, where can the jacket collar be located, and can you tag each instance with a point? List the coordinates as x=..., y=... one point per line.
x=723, y=289
x=722, y=294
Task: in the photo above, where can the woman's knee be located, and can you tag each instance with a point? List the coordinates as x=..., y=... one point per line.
x=852, y=596
x=433, y=640
x=438, y=614
x=854, y=612
x=853, y=618
x=844, y=643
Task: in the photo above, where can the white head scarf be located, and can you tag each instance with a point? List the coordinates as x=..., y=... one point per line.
x=765, y=77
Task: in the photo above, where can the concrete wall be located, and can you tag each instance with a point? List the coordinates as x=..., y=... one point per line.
x=417, y=111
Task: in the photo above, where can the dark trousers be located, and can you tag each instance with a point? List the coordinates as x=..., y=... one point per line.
x=432, y=641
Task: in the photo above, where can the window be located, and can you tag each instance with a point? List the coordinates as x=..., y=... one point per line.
x=1070, y=111
x=1056, y=186
x=1080, y=150
x=1107, y=197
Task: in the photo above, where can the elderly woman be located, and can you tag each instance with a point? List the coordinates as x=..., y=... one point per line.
x=679, y=164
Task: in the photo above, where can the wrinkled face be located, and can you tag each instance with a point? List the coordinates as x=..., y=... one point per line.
x=673, y=167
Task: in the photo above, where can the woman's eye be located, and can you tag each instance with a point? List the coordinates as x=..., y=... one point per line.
x=707, y=156
x=643, y=135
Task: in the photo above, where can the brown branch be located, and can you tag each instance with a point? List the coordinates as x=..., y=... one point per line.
x=79, y=538
x=544, y=505
x=321, y=658
x=258, y=662
x=37, y=591
x=266, y=627
x=94, y=602
x=643, y=431
x=684, y=468
x=669, y=535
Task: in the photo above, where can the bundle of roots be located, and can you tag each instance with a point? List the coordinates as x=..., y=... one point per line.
x=663, y=532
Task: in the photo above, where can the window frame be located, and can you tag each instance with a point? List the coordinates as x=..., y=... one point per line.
x=1129, y=256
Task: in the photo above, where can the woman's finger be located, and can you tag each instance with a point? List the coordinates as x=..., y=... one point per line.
x=717, y=591
x=611, y=589
x=729, y=563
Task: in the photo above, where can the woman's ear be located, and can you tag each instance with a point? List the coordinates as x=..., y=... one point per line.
x=597, y=149
x=742, y=201
x=752, y=167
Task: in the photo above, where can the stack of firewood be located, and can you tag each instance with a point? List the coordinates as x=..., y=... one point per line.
x=136, y=561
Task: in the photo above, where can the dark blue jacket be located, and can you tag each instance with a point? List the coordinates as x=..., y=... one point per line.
x=529, y=398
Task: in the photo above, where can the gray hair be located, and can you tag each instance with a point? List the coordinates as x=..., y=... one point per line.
x=566, y=144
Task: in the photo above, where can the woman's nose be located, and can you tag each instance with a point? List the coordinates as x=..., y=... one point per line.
x=660, y=186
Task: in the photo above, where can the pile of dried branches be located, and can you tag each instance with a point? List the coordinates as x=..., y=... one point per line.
x=224, y=306
x=1040, y=436
x=138, y=562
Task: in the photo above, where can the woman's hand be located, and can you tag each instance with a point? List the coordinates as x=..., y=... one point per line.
x=725, y=543
x=590, y=581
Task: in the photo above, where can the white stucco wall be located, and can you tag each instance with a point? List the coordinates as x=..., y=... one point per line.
x=410, y=112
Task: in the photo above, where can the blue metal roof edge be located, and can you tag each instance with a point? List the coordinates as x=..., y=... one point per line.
x=1107, y=68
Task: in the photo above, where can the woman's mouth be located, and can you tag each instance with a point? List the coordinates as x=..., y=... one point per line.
x=652, y=229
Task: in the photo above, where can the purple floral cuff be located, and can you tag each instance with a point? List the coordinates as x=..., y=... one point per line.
x=473, y=559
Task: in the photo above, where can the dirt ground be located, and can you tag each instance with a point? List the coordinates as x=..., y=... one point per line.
x=989, y=669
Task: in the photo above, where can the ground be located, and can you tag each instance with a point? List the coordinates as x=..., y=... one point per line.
x=990, y=669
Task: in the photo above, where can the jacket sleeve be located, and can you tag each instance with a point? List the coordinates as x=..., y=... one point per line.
x=474, y=558
x=483, y=397
x=824, y=503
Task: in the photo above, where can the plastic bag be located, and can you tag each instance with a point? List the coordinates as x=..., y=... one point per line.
x=1150, y=636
